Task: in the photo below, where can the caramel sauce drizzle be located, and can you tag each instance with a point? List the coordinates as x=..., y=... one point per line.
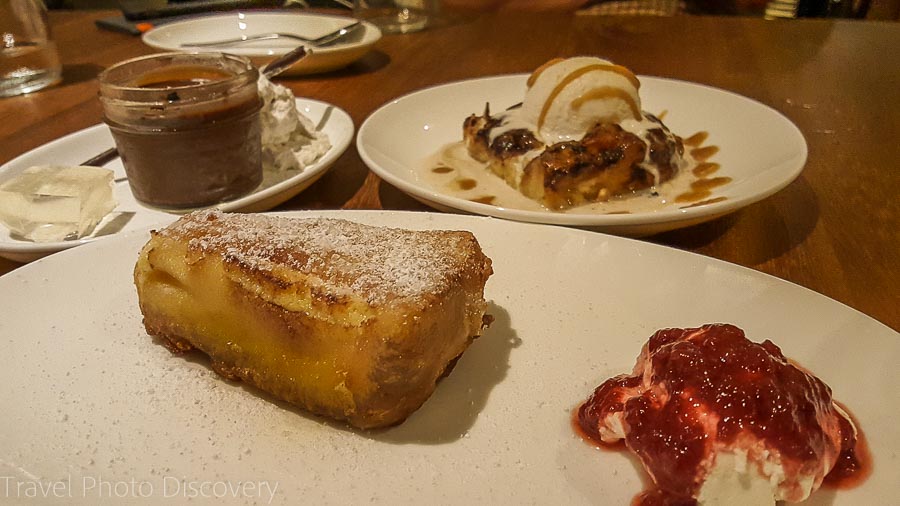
x=575, y=74
x=695, y=140
x=704, y=169
x=701, y=189
x=704, y=153
x=487, y=199
x=443, y=169
x=540, y=70
x=466, y=183
x=662, y=115
x=704, y=202
x=608, y=92
x=622, y=71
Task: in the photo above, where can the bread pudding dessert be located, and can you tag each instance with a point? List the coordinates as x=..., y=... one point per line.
x=717, y=419
x=349, y=321
x=579, y=136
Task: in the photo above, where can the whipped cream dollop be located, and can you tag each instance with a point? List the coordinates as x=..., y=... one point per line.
x=290, y=141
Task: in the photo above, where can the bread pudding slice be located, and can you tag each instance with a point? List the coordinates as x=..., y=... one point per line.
x=349, y=321
x=607, y=162
x=506, y=153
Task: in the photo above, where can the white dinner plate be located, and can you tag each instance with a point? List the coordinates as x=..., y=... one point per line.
x=170, y=37
x=89, y=397
x=759, y=149
x=82, y=145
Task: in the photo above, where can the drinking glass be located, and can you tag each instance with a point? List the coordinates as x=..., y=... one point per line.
x=396, y=16
x=28, y=57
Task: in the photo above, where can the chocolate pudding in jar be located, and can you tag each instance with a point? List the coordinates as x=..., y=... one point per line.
x=186, y=126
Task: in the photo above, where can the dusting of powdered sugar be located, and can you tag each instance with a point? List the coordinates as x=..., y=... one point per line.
x=377, y=264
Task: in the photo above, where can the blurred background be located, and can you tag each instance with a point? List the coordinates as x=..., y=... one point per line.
x=858, y=9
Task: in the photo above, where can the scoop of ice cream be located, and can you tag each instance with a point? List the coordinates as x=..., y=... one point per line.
x=290, y=140
x=566, y=97
x=736, y=481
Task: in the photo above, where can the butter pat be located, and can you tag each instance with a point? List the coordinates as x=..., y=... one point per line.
x=49, y=203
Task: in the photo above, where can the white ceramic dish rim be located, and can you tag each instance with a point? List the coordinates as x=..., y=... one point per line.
x=156, y=37
x=291, y=441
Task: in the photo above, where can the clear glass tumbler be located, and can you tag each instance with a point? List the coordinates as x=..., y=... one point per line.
x=396, y=16
x=28, y=57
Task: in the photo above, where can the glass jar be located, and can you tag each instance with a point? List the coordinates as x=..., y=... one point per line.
x=186, y=126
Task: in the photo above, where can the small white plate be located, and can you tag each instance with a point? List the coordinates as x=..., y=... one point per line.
x=171, y=36
x=91, y=401
x=760, y=149
x=82, y=145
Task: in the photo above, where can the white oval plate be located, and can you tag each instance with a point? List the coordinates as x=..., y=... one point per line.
x=88, y=396
x=760, y=149
x=169, y=37
x=82, y=145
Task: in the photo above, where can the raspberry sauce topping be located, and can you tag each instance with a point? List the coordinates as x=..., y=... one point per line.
x=696, y=392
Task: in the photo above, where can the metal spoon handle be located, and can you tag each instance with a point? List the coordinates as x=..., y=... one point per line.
x=340, y=34
x=102, y=159
x=283, y=62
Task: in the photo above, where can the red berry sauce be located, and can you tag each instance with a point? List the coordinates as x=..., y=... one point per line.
x=698, y=391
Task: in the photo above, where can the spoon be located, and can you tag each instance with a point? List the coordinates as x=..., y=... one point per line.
x=270, y=70
x=283, y=62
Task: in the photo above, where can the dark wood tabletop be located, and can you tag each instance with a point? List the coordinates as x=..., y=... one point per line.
x=833, y=230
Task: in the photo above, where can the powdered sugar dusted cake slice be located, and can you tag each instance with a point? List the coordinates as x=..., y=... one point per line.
x=349, y=321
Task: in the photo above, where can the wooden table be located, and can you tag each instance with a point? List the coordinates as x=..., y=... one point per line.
x=833, y=230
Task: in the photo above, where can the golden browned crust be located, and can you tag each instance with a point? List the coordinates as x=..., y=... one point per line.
x=603, y=164
x=502, y=155
x=606, y=162
x=352, y=322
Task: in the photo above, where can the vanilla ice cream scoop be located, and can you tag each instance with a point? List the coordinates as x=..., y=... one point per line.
x=566, y=97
